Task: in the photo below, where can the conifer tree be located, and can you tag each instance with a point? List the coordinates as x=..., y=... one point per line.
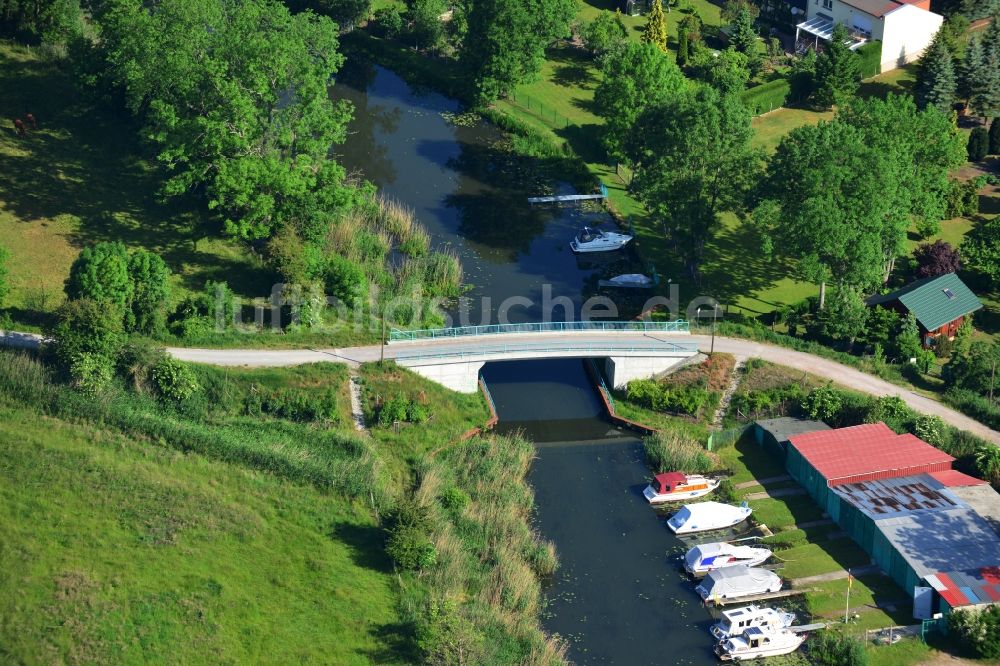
x=838, y=71
x=995, y=137
x=744, y=39
x=936, y=81
x=683, y=51
x=656, y=28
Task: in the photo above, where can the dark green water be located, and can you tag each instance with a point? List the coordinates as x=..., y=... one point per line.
x=618, y=596
x=472, y=198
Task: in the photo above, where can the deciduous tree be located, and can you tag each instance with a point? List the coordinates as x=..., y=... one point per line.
x=506, y=40
x=981, y=250
x=937, y=258
x=635, y=76
x=605, y=32
x=100, y=272
x=829, y=212
x=696, y=162
x=234, y=97
x=918, y=149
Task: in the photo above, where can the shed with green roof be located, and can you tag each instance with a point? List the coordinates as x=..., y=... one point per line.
x=940, y=304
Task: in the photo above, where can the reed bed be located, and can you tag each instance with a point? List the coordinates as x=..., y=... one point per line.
x=489, y=561
x=672, y=451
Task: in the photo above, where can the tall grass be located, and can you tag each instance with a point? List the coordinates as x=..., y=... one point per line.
x=671, y=451
x=443, y=274
x=489, y=560
x=326, y=459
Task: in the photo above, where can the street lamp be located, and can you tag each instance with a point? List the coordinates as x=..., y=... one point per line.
x=715, y=318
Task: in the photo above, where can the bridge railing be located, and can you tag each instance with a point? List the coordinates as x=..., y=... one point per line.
x=658, y=347
x=680, y=326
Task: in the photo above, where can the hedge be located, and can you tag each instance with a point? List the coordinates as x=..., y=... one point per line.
x=767, y=96
x=871, y=59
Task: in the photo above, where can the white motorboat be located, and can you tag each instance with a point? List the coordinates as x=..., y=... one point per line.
x=737, y=582
x=711, y=556
x=734, y=622
x=756, y=642
x=629, y=281
x=595, y=240
x=706, y=516
x=676, y=486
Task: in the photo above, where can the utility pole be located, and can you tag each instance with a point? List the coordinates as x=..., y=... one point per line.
x=715, y=318
x=847, y=608
x=381, y=358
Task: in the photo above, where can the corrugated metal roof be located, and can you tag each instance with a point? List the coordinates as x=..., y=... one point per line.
x=967, y=588
x=951, y=478
x=887, y=498
x=784, y=427
x=848, y=455
x=951, y=540
x=934, y=301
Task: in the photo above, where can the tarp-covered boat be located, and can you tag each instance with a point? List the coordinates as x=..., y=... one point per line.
x=737, y=583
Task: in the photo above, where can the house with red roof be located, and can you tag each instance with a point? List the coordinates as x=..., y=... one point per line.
x=904, y=28
x=932, y=529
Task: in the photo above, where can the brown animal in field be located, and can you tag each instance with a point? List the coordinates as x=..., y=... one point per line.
x=19, y=127
x=31, y=119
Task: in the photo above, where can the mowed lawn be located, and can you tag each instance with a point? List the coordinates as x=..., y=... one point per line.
x=82, y=178
x=118, y=551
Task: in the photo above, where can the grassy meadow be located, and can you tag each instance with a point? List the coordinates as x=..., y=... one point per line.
x=120, y=550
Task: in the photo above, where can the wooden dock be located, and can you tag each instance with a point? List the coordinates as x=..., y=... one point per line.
x=807, y=627
x=562, y=198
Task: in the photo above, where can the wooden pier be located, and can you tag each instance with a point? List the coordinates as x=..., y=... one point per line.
x=562, y=198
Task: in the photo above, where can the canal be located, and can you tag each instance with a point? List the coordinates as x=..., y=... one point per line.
x=618, y=594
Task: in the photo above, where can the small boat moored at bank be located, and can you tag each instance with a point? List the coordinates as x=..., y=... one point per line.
x=707, y=516
x=757, y=642
x=676, y=486
x=711, y=556
x=595, y=240
x=737, y=582
x=734, y=622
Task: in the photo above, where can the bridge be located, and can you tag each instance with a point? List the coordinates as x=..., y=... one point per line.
x=631, y=350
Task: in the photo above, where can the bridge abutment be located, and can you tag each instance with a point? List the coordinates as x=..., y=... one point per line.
x=462, y=376
x=620, y=370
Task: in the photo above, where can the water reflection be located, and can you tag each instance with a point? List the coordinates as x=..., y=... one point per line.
x=470, y=193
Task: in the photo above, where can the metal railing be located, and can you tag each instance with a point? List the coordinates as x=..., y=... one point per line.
x=680, y=326
x=544, y=348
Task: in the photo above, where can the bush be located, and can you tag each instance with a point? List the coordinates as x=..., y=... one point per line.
x=86, y=327
x=823, y=403
x=292, y=405
x=409, y=544
x=100, y=272
x=662, y=398
x=670, y=451
x=962, y=199
x=91, y=373
x=174, y=379
x=393, y=410
x=978, y=629
x=387, y=22
x=979, y=144
x=346, y=280
x=994, y=146
x=827, y=648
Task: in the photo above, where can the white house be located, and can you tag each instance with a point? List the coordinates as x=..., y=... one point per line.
x=904, y=27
